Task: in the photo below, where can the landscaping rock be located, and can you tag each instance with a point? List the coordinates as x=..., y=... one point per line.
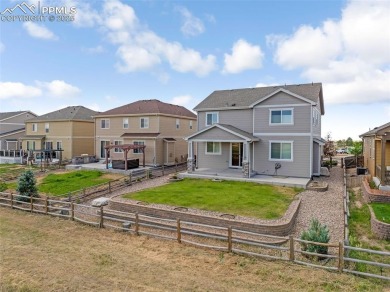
x=100, y=202
x=377, y=181
x=324, y=171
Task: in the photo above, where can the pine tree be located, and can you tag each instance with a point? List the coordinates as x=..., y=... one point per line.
x=26, y=186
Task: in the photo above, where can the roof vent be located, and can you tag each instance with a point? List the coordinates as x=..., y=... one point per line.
x=233, y=104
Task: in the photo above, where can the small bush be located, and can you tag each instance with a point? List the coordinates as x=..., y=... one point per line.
x=316, y=233
x=372, y=185
x=326, y=163
x=3, y=186
x=26, y=186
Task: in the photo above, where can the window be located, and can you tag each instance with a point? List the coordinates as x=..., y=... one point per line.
x=105, y=124
x=59, y=144
x=118, y=150
x=125, y=123
x=213, y=148
x=177, y=123
x=46, y=127
x=211, y=118
x=137, y=151
x=316, y=117
x=281, y=117
x=280, y=150
x=34, y=127
x=48, y=145
x=144, y=123
x=30, y=145
x=190, y=125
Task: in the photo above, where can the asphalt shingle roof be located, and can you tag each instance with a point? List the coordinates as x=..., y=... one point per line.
x=6, y=115
x=376, y=130
x=69, y=113
x=247, y=96
x=152, y=106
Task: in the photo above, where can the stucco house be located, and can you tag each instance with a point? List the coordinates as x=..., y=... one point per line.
x=264, y=130
x=376, y=152
x=160, y=126
x=70, y=129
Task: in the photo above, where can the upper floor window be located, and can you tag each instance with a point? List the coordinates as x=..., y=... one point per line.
x=213, y=148
x=59, y=144
x=281, y=117
x=138, y=143
x=190, y=125
x=46, y=127
x=117, y=150
x=144, y=123
x=281, y=150
x=316, y=117
x=177, y=123
x=34, y=127
x=211, y=118
x=105, y=123
x=125, y=123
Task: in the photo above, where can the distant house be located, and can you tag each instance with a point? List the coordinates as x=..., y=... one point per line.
x=159, y=126
x=376, y=152
x=12, y=128
x=70, y=129
x=263, y=130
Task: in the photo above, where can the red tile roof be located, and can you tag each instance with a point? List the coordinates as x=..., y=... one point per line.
x=152, y=106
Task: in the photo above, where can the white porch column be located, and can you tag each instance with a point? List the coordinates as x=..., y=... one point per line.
x=190, y=159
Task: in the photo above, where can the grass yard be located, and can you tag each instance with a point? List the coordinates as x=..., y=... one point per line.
x=37, y=254
x=61, y=184
x=12, y=171
x=382, y=211
x=232, y=197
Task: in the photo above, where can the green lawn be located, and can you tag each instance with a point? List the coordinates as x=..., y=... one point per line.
x=62, y=184
x=382, y=211
x=239, y=198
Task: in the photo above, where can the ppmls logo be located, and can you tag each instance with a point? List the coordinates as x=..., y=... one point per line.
x=37, y=12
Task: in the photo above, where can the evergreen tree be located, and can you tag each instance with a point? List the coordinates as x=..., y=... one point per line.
x=349, y=141
x=26, y=186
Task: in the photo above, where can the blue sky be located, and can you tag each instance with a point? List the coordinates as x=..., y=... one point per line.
x=116, y=52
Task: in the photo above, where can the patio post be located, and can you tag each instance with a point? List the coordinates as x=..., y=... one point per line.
x=125, y=154
x=383, y=160
x=106, y=158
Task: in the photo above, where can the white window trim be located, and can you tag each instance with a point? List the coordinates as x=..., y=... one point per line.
x=138, y=141
x=281, y=124
x=140, y=123
x=47, y=127
x=213, y=153
x=280, y=141
x=190, y=125
x=120, y=150
x=49, y=141
x=34, y=125
x=123, y=123
x=177, y=124
x=207, y=113
x=109, y=123
x=57, y=144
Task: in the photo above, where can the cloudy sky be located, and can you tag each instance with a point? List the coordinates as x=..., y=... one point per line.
x=116, y=52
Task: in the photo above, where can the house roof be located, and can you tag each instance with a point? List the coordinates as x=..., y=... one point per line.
x=246, y=97
x=228, y=128
x=151, y=106
x=7, y=115
x=69, y=113
x=7, y=133
x=377, y=130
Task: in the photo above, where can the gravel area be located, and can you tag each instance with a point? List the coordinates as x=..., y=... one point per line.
x=327, y=206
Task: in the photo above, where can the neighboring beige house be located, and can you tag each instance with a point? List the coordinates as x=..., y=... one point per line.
x=376, y=152
x=70, y=129
x=159, y=126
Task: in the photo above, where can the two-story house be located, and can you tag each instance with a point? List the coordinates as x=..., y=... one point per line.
x=70, y=129
x=263, y=130
x=160, y=126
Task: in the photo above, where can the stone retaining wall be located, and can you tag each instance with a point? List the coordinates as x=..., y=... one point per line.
x=371, y=195
x=280, y=227
x=380, y=229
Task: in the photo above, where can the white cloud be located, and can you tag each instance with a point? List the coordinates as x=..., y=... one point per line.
x=182, y=100
x=9, y=90
x=266, y=84
x=94, y=50
x=210, y=18
x=39, y=31
x=2, y=47
x=58, y=88
x=192, y=26
x=245, y=56
x=350, y=56
x=135, y=58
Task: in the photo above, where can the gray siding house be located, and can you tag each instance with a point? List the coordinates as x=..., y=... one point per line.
x=265, y=130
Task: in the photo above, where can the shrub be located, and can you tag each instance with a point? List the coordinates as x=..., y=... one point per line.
x=26, y=186
x=372, y=185
x=326, y=163
x=316, y=233
x=3, y=186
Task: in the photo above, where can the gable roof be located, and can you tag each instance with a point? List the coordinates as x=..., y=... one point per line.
x=376, y=130
x=7, y=115
x=151, y=106
x=247, y=97
x=69, y=113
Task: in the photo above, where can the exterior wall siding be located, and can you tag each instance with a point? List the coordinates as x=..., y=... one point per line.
x=11, y=145
x=299, y=167
x=282, y=98
x=316, y=158
x=241, y=119
x=217, y=134
x=213, y=161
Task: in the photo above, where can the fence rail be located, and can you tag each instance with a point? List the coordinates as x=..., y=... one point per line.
x=202, y=235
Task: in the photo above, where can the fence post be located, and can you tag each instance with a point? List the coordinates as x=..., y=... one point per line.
x=163, y=169
x=72, y=211
x=292, y=252
x=101, y=217
x=46, y=206
x=176, y=167
x=178, y=231
x=31, y=204
x=131, y=178
x=12, y=201
x=230, y=240
x=136, y=223
x=146, y=174
x=341, y=256
x=109, y=187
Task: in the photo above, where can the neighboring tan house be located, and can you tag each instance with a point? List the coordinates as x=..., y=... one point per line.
x=70, y=129
x=159, y=126
x=264, y=130
x=376, y=152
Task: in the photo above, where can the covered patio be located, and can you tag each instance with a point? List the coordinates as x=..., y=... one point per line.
x=125, y=149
